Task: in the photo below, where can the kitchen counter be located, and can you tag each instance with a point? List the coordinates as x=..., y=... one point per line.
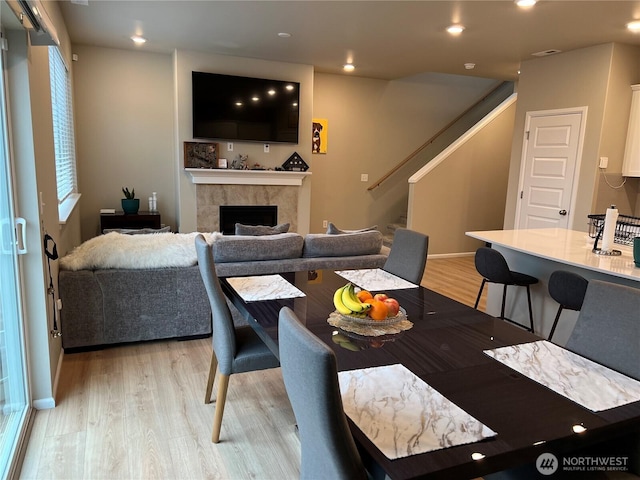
x=539, y=252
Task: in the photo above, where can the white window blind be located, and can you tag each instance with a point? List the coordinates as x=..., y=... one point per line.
x=62, y=125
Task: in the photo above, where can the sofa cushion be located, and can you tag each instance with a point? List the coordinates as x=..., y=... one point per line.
x=243, y=248
x=138, y=231
x=348, y=244
x=261, y=229
x=333, y=230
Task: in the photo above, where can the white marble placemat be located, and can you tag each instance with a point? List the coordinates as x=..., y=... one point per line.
x=375, y=279
x=587, y=383
x=265, y=287
x=402, y=415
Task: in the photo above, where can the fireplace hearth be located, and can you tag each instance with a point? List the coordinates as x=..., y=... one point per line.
x=247, y=215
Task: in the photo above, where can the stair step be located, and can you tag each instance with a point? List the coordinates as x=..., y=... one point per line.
x=392, y=227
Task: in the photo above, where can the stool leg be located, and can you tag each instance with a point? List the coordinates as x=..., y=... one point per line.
x=504, y=299
x=555, y=322
x=484, y=280
x=530, y=310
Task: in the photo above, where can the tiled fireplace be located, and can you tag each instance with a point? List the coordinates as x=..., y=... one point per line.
x=210, y=197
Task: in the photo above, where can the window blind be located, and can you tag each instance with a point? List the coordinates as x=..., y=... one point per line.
x=62, y=125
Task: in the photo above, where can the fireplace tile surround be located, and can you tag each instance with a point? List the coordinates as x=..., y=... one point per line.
x=210, y=197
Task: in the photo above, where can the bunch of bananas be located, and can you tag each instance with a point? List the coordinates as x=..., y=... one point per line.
x=347, y=303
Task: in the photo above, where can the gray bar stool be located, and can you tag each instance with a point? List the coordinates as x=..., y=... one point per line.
x=494, y=269
x=568, y=289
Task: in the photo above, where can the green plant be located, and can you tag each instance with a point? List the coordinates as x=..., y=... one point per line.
x=130, y=195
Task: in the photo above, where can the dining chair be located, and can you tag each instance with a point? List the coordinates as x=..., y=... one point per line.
x=608, y=327
x=568, y=289
x=311, y=379
x=493, y=267
x=236, y=349
x=408, y=256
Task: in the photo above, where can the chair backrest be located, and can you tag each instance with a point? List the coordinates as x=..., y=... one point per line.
x=608, y=327
x=492, y=265
x=224, y=336
x=568, y=289
x=311, y=380
x=408, y=256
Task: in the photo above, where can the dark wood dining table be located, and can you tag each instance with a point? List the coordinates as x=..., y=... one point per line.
x=445, y=349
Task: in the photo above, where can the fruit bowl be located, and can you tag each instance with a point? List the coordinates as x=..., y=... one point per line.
x=402, y=315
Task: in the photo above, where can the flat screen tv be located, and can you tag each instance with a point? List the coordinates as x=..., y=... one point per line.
x=228, y=107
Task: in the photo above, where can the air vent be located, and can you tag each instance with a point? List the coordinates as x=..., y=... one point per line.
x=546, y=53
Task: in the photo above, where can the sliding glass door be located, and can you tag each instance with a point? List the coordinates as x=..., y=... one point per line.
x=13, y=373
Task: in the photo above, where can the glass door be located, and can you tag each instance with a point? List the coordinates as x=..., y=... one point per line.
x=13, y=372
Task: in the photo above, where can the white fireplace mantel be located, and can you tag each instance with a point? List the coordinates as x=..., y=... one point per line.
x=221, y=176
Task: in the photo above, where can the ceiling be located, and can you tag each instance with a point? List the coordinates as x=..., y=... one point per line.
x=384, y=39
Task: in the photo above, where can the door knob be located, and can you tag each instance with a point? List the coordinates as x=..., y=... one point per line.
x=562, y=212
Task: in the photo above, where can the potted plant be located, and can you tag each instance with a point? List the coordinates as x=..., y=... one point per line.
x=130, y=204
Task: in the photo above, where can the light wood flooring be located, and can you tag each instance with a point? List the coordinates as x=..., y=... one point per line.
x=138, y=412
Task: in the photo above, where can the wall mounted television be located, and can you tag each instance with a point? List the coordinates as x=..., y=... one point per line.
x=228, y=107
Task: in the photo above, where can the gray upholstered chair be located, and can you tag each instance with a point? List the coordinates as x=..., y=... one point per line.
x=235, y=349
x=608, y=327
x=311, y=379
x=568, y=289
x=494, y=269
x=408, y=256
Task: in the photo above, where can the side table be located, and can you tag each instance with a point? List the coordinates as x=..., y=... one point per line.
x=130, y=220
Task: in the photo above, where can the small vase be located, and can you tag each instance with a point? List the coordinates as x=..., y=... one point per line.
x=130, y=205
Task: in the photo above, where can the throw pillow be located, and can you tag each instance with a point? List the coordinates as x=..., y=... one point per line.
x=333, y=230
x=261, y=229
x=138, y=231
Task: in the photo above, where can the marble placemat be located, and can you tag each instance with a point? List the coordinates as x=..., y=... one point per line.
x=264, y=287
x=375, y=279
x=402, y=415
x=587, y=383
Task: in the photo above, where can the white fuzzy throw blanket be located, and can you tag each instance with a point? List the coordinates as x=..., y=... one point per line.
x=116, y=250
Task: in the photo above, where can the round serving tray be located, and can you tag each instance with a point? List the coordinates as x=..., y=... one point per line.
x=402, y=315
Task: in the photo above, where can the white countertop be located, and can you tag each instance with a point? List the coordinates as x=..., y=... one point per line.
x=565, y=246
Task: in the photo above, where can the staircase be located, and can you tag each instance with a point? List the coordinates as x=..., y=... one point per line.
x=401, y=222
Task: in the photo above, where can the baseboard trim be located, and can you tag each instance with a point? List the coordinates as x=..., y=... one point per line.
x=44, y=403
x=451, y=255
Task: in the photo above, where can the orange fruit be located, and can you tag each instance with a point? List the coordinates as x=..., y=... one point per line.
x=378, y=310
x=364, y=295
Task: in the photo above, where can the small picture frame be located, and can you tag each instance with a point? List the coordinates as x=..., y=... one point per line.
x=222, y=163
x=200, y=155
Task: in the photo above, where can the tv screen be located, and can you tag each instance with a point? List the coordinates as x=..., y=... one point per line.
x=228, y=107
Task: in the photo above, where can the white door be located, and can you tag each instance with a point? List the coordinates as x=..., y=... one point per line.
x=551, y=153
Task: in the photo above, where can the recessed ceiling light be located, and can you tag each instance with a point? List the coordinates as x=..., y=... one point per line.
x=138, y=40
x=348, y=67
x=634, y=26
x=284, y=35
x=579, y=428
x=526, y=3
x=455, y=29
x=469, y=66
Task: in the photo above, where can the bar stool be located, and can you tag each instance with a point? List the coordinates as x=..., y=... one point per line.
x=568, y=289
x=494, y=269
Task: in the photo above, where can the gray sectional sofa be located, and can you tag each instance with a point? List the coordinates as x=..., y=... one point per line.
x=106, y=306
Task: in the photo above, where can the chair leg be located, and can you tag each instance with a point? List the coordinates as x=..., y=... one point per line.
x=555, y=322
x=212, y=377
x=223, y=383
x=480, y=293
x=504, y=300
x=530, y=310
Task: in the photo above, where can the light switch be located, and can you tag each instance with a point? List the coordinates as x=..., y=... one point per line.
x=364, y=177
x=229, y=146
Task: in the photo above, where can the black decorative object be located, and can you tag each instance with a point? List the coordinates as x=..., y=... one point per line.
x=295, y=163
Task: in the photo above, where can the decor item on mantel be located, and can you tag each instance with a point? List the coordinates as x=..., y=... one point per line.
x=200, y=155
x=130, y=204
x=240, y=162
x=295, y=163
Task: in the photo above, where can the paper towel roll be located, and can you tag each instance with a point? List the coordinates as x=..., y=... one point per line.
x=610, y=220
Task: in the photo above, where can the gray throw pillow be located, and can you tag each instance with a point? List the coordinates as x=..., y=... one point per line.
x=261, y=229
x=333, y=230
x=138, y=231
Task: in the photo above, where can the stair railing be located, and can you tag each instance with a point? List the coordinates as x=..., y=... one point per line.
x=410, y=157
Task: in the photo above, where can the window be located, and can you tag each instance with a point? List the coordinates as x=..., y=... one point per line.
x=62, y=129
